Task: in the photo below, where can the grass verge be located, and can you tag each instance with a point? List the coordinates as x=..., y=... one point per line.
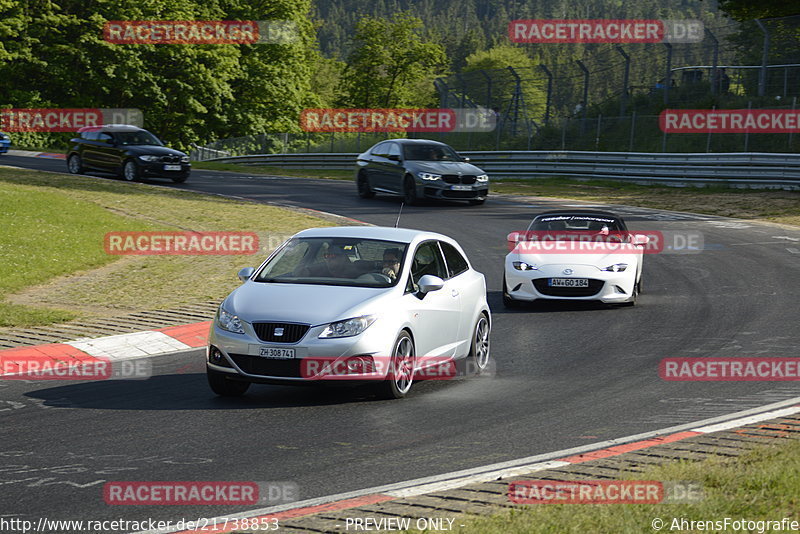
x=763, y=484
x=55, y=267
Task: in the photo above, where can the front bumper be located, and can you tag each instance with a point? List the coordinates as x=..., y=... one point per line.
x=241, y=360
x=156, y=168
x=441, y=190
x=604, y=286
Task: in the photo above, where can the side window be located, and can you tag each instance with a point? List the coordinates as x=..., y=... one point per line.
x=394, y=150
x=380, y=149
x=103, y=137
x=456, y=263
x=427, y=260
x=89, y=136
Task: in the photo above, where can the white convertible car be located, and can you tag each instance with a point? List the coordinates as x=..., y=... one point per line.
x=574, y=255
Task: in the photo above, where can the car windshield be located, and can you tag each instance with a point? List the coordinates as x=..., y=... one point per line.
x=142, y=137
x=421, y=152
x=336, y=261
x=565, y=222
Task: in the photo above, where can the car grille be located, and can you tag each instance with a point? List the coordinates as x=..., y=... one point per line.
x=594, y=287
x=292, y=332
x=466, y=179
x=256, y=365
x=170, y=158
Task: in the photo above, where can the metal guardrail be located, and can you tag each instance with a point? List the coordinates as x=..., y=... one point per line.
x=746, y=169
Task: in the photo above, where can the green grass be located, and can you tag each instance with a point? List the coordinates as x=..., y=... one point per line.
x=764, y=484
x=55, y=267
x=274, y=171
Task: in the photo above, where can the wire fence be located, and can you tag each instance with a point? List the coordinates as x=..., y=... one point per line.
x=608, y=100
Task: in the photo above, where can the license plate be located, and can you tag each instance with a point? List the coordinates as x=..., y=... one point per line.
x=461, y=188
x=276, y=353
x=568, y=282
x=172, y=167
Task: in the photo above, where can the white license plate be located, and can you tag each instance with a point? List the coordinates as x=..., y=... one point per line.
x=568, y=282
x=276, y=353
x=461, y=188
x=172, y=167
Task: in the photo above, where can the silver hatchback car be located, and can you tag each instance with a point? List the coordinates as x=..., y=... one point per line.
x=352, y=304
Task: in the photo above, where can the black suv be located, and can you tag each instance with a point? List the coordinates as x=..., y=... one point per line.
x=128, y=151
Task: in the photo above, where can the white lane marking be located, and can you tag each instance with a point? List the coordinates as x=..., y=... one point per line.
x=520, y=464
x=729, y=224
x=747, y=420
x=793, y=250
x=786, y=237
x=485, y=477
x=126, y=346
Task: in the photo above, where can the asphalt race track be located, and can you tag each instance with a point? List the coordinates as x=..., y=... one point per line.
x=566, y=375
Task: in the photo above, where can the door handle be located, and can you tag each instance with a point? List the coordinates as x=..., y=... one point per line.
x=454, y=292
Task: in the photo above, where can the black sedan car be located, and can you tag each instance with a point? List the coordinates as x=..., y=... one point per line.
x=418, y=168
x=127, y=151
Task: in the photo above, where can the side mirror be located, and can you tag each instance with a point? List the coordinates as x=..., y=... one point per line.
x=515, y=237
x=466, y=160
x=430, y=283
x=246, y=273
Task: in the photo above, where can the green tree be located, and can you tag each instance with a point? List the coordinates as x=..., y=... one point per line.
x=389, y=62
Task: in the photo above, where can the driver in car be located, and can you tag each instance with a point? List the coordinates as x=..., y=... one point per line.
x=391, y=263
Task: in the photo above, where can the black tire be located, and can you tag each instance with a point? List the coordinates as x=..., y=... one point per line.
x=130, y=171
x=224, y=386
x=74, y=164
x=410, y=191
x=508, y=302
x=362, y=183
x=639, y=285
x=180, y=179
x=477, y=201
x=401, y=377
x=479, y=349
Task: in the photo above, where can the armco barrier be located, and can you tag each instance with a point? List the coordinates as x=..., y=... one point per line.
x=746, y=169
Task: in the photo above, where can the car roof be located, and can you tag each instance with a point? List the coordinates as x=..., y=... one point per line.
x=401, y=235
x=416, y=142
x=579, y=211
x=110, y=128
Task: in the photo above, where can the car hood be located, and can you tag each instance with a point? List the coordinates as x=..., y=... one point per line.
x=443, y=167
x=153, y=150
x=301, y=303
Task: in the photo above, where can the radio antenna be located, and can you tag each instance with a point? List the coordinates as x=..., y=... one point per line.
x=399, y=214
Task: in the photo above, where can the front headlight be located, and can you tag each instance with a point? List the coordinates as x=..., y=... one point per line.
x=230, y=322
x=616, y=268
x=148, y=158
x=348, y=327
x=482, y=178
x=522, y=266
x=184, y=159
x=429, y=176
